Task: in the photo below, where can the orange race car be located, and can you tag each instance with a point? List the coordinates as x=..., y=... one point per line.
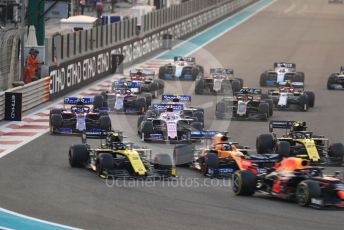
x=221, y=157
x=293, y=179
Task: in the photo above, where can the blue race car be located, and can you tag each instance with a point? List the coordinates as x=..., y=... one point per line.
x=183, y=68
x=78, y=116
x=282, y=73
x=124, y=97
x=336, y=80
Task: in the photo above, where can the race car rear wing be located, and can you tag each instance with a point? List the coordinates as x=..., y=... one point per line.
x=74, y=100
x=187, y=59
x=143, y=71
x=224, y=71
x=171, y=98
x=126, y=84
x=285, y=65
x=98, y=134
x=282, y=125
x=164, y=107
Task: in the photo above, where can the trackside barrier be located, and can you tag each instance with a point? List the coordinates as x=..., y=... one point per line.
x=2, y=105
x=34, y=94
x=84, y=69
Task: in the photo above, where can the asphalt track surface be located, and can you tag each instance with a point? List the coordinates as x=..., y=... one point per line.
x=36, y=180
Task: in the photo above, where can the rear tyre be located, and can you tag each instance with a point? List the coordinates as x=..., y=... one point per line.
x=303, y=102
x=104, y=163
x=330, y=81
x=98, y=102
x=306, y=190
x=244, y=183
x=78, y=155
x=105, y=123
x=299, y=77
x=311, y=98
x=197, y=126
x=199, y=86
x=183, y=155
x=283, y=149
x=236, y=86
x=141, y=104
x=162, y=162
x=263, y=109
x=56, y=122
x=336, y=150
x=263, y=79
x=199, y=115
x=265, y=143
x=146, y=129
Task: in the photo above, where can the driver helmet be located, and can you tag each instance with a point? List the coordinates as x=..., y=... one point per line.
x=79, y=102
x=299, y=126
x=113, y=137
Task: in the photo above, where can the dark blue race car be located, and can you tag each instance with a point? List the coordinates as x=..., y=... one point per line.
x=78, y=116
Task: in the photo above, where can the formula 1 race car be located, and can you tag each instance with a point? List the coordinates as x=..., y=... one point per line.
x=221, y=158
x=247, y=104
x=116, y=159
x=220, y=81
x=147, y=82
x=294, y=180
x=183, y=68
x=289, y=98
x=196, y=113
x=336, y=80
x=123, y=97
x=282, y=72
x=165, y=122
x=77, y=116
x=301, y=143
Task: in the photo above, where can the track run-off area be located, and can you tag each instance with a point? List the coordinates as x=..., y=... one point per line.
x=37, y=181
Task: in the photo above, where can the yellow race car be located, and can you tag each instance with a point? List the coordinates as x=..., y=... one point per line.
x=301, y=143
x=116, y=159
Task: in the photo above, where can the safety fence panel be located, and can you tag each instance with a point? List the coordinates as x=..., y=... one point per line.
x=2, y=105
x=33, y=94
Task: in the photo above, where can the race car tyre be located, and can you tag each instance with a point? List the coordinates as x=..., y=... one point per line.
x=146, y=129
x=336, y=150
x=78, y=155
x=299, y=77
x=212, y=160
x=105, y=123
x=140, y=119
x=155, y=89
x=311, y=98
x=201, y=69
x=244, y=183
x=56, y=121
x=199, y=86
x=98, y=102
x=271, y=106
x=306, y=190
x=162, y=161
x=236, y=86
x=330, y=81
x=197, y=126
x=148, y=97
x=283, y=149
x=199, y=115
x=241, y=82
x=265, y=96
x=162, y=71
x=104, y=163
x=140, y=104
x=265, y=143
x=221, y=107
x=263, y=79
x=264, y=110
x=303, y=102
x=161, y=86
x=183, y=155
x=103, y=113
x=226, y=87
x=56, y=111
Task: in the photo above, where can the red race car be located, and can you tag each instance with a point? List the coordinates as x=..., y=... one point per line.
x=295, y=180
